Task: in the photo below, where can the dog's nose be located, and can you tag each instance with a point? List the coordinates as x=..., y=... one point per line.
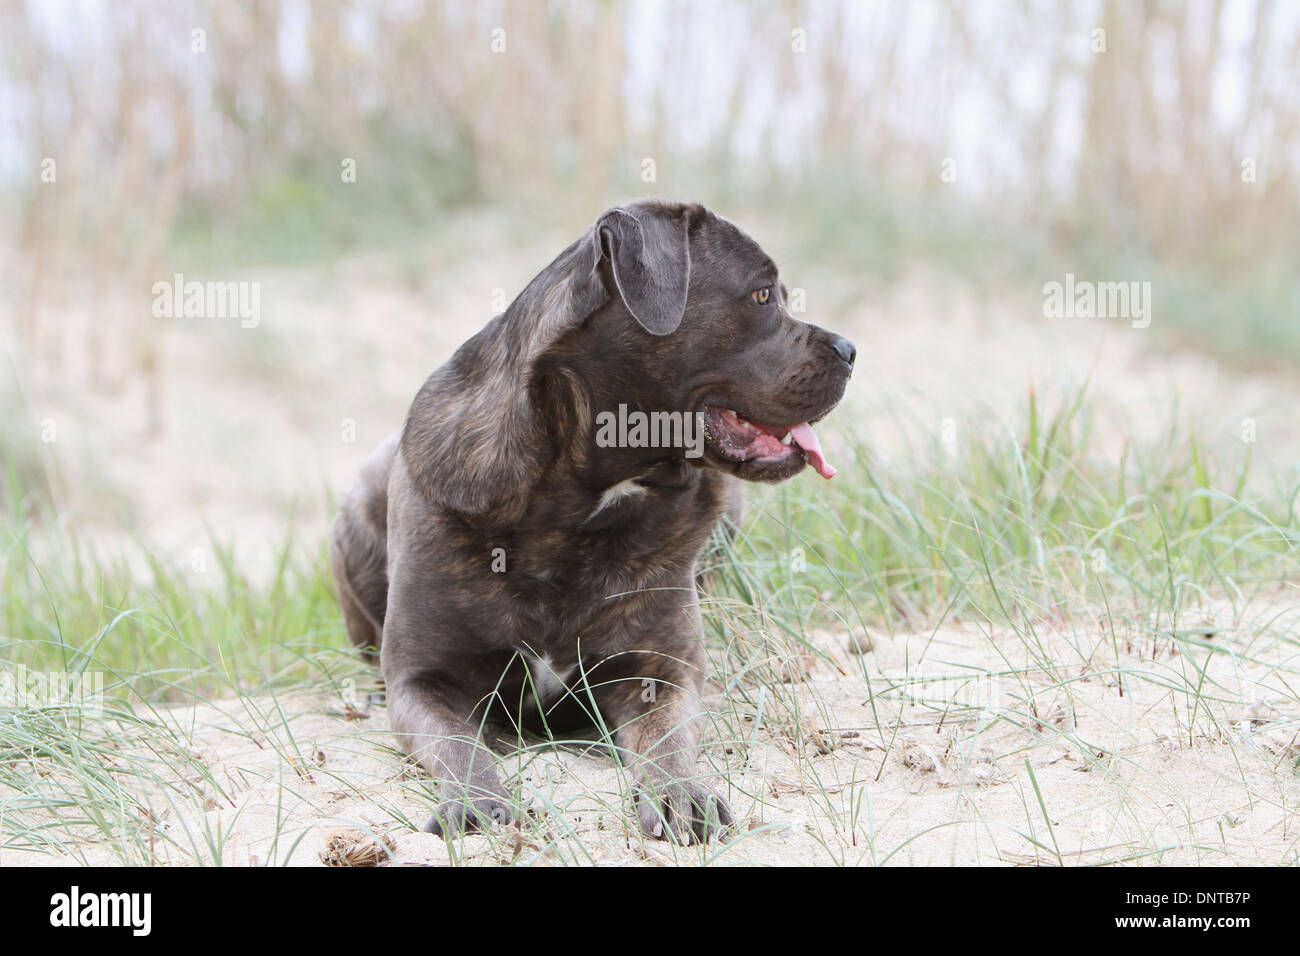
x=844, y=349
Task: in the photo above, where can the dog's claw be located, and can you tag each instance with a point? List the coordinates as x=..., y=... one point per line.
x=454, y=817
x=683, y=812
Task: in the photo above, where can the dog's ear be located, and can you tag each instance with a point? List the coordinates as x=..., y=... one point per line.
x=649, y=255
x=475, y=439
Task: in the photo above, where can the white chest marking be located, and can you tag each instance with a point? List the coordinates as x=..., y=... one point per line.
x=624, y=489
x=547, y=681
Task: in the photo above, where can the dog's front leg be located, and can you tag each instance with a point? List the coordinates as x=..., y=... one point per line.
x=656, y=716
x=429, y=717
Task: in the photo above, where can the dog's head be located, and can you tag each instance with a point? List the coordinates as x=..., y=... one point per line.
x=724, y=343
x=659, y=308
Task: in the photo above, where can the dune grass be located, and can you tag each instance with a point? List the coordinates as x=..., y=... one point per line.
x=1014, y=528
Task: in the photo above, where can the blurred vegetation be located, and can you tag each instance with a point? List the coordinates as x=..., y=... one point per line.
x=1004, y=143
x=1104, y=138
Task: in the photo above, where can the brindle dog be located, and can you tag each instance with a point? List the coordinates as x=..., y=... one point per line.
x=501, y=558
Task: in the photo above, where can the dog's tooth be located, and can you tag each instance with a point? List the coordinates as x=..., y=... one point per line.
x=789, y=437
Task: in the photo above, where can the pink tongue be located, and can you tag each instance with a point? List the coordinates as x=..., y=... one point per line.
x=805, y=438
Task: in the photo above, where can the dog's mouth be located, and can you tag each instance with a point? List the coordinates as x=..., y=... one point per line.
x=742, y=440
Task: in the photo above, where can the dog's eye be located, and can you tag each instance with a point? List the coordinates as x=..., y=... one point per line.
x=762, y=296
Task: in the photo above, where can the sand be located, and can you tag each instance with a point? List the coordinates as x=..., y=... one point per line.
x=977, y=747
x=965, y=745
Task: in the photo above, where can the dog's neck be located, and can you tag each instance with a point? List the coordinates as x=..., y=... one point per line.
x=602, y=469
x=625, y=482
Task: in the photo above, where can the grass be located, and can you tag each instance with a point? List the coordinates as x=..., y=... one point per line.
x=1161, y=580
x=1016, y=526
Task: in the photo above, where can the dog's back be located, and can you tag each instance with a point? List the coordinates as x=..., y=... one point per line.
x=359, y=548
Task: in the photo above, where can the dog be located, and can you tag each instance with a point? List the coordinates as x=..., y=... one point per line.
x=503, y=554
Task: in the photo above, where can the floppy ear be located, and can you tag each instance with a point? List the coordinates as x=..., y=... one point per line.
x=650, y=258
x=474, y=440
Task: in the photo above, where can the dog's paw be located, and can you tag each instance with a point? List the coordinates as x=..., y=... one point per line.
x=453, y=817
x=682, y=811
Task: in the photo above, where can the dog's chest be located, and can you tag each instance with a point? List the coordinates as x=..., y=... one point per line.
x=632, y=535
x=584, y=589
x=547, y=678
